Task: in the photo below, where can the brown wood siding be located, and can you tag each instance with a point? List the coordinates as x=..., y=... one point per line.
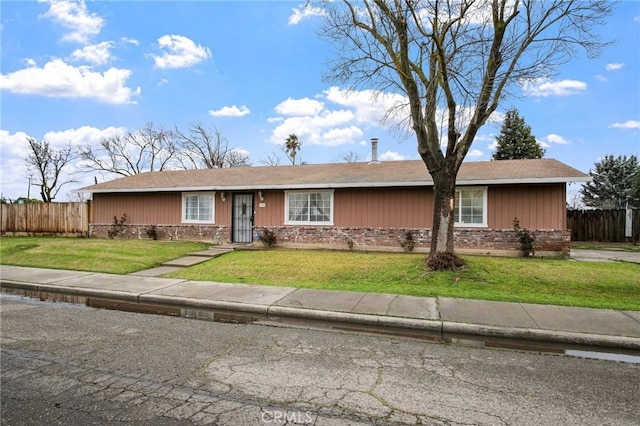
x=223, y=209
x=145, y=208
x=272, y=214
x=383, y=208
x=162, y=208
x=535, y=206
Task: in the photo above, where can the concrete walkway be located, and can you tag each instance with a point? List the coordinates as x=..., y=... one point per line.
x=604, y=256
x=438, y=318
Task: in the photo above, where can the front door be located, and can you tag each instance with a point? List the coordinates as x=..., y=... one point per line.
x=242, y=218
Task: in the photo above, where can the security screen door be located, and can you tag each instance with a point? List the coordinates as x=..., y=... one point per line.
x=242, y=218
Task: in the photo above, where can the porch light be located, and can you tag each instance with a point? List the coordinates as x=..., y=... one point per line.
x=223, y=197
x=261, y=195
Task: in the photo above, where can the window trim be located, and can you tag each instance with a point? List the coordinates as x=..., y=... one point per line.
x=484, y=223
x=211, y=194
x=309, y=191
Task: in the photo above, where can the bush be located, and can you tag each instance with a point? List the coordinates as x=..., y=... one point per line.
x=152, y=232
x=350, y=242
x=443, y=261
x=268, y=237
x=407, y=242
x=525, y=238
x=117, y=226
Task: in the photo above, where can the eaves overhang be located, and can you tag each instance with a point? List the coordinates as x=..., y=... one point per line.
x=341, y=185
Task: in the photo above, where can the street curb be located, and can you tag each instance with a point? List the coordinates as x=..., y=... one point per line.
x=248, y=308
x=216, y=310
x=539, y=335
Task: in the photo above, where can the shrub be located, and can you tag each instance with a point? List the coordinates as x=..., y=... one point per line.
x=152, y=232
x=268, y=237
x=407, y=242
x=525, y=238
x=350, y=242
x=117, y=226
x=443, y=261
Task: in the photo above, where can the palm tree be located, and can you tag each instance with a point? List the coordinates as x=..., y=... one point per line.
x=292, y=145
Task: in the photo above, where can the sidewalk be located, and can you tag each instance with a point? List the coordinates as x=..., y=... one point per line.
x=527, y=326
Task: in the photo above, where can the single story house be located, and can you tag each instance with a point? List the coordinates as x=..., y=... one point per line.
x=345, y=205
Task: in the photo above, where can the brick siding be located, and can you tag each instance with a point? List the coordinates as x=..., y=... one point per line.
x=547, y=241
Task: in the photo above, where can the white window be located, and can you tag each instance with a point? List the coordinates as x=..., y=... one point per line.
x=197, y=207
x=308, y=208
x=471, y=207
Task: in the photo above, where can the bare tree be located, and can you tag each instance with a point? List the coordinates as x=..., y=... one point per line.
x=455, y=60
x=350, y=157
x=202, y=148
x=148, y=149
x=271, y=159
x=46, y=166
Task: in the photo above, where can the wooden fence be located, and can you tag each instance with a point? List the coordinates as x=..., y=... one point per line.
x=601, y=225
x=45, y=218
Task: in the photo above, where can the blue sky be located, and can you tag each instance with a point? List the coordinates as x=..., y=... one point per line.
x=81, y=71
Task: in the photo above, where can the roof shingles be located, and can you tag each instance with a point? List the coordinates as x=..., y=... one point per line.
x=340, y=175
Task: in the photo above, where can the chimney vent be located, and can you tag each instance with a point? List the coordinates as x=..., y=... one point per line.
x=374, y=151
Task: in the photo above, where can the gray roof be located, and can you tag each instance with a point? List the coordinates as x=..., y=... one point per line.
x=340, y=175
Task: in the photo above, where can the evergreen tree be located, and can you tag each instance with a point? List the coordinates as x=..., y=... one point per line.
x=615, y=181
x=515, y=141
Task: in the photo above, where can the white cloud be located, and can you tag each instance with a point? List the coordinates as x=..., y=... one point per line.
x=179, y=52
x=304, y=12
x=310, y=129
x=318, y=122
x=629, y=124
x=230, y=111
x=130, y=41
x=340, y=136
x=14, y=144
x=299, y=107
x=546, y=87
x=73, y=15
x=601, y=78
x=60, y=80
x=475, y=153
x=85, y=135
x=97, y=54
x=557, y=139
x=13, y=171
x=615, y=66
x=541, y=142
x=391, y=156
x=368, y=106
x=162, y=82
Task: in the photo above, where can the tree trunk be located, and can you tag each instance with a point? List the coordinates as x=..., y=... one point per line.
x=444, y=187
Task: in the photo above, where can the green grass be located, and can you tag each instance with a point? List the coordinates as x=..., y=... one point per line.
x=547, y=281
x=96, y=255
x=613, y=285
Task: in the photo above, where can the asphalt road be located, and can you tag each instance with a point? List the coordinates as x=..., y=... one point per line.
x=66, y=364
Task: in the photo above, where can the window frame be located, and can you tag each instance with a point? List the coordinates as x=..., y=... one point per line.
x=308, y=192
x=211, y=194
x=484, y=224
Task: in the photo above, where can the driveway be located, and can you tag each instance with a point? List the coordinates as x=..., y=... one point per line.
x=604, y=256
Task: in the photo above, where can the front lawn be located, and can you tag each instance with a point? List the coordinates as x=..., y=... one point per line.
x=547, y=281
x=92, y=254
x=613, y=285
